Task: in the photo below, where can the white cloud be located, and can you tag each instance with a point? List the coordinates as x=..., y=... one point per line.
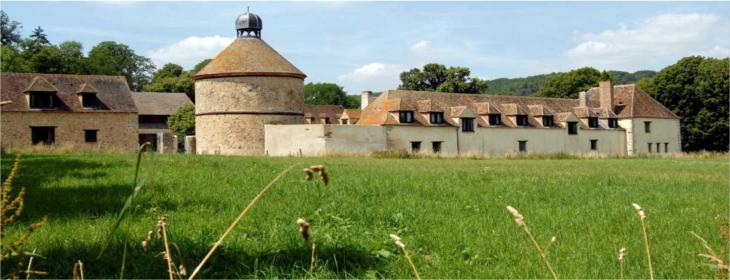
x=658, y=39
x=373, y=76
x=421, y=47
x=189, y=51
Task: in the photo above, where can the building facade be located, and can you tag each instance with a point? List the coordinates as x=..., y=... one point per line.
x=154, y=109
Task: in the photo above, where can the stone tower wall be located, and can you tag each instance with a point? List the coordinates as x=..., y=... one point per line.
x=231, y=112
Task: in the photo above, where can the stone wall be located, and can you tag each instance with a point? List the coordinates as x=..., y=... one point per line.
x=117, y=132
x=231, y=112
x=323, y=139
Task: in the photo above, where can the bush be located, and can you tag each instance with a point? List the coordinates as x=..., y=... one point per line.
x=182, y=123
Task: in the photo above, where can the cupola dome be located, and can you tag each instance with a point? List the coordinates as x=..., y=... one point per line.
x=249, y=25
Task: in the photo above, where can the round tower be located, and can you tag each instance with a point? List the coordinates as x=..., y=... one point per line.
x=243, y=88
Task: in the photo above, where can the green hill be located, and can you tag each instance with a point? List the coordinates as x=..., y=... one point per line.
x=529, y=85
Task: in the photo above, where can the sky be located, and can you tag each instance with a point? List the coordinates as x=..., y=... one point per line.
x=365, y=45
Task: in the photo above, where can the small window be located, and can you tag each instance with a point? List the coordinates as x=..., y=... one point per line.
x=649, y=147
x=495, y=119
x=613, y=123
x=666, y=147
x=522, y=120
x=326, y=120
x=415, y=146
x=437, y=117
x=467, y=124
x=594, y=144
x=89, y=101
x=548, y=121
x=593, y=122
x=90, y=135
x=572, y=128
x=43, y=135
x=42, y=100
x=405, y=116
x=647, y=127
x=310, y=120
x=522, y=145
x=346, y=121
x=658, y=146
x=436, y=145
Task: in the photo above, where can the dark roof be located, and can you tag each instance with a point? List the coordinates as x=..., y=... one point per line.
x=631, y=102
x=323, y=111
x=160, y=103
x=249, y=56
x=112, y=91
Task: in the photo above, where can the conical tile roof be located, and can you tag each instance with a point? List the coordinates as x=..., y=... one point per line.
x=249, y=56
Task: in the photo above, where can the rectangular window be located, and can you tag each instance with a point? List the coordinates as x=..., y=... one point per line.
x=43, y=135
x=405, y=116
x=89, y=101
x=437, y=117
x=436, y=145
x=415, y=146
x=345, y=121
x=467, y=124
x=594, y=144
x=90, y=135
x=666, y=147
x=613, y=123
x=522, y=120
x=572, y=128
x=649, y=147
x=42, y=100
x=647, y=127
x=495, y=119
x=593, y=122
x=522, y=145
x=153, y=119
x=658, y=145
x=326, y=120
x=548, y=121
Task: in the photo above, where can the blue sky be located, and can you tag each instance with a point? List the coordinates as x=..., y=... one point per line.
x=365, y=45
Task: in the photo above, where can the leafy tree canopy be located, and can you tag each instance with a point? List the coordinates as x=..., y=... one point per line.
x=182, y=123
x=327, y=94
x=437, y=77
x=112, y=58
x=39, y=36
x=200, y=65
x=567, y=85
x=9, y=30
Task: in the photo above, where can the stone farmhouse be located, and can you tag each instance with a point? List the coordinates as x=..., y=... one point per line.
x=249, y=101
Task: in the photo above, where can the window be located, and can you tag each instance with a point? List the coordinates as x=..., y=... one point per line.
x=152, y=119
x=467, y=124
x=405, y=116
x=326, y=120
x=437, y=117
x=572, y=128
x=90, y=135
x=415, y=146
x=647, y=127
x=522, y=120
x=495, y=119
x=346, y=121
x=613, y=123
x=522, y=145
x=666, y=147
x=649, y=147
x=43, y=135
x=89, y=100
x=593, y=122
x=436, y=145
x=42, y=100
x=548, y=121
x=657, y=147
x=594, y=144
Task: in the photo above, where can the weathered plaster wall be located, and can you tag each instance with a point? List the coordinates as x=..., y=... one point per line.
x=117, y=132
x=662, y=131
x=247, y=104
x=321, y=139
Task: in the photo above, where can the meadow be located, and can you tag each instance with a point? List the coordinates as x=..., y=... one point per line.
x=450, y=214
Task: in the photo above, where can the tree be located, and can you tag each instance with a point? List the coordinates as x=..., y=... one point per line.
x=172, y=78
x=112, y=58
x=325, y=94
x=72, y=57
x=45, y=59
x=167, y=71
x=12, y=60
x=39, y=36
x=696, y=89
x=567, y=85
x=9, y=30
x=200, y=65
x=436, y=77
x=182, y=123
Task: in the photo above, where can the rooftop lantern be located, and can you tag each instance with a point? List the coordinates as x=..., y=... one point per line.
x=248, y=25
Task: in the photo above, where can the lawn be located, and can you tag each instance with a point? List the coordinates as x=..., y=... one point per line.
x=450, y=213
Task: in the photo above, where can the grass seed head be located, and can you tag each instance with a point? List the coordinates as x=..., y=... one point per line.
x=553, y=239
x=398, y=241
x=621, y=254
x=719, y=262
x=181, y=269
x=639, y=211
x=519, y=219
x=303, y=228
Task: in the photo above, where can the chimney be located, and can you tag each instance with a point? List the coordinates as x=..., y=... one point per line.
x=365, y=99
x=605, y=93
x=582, y=99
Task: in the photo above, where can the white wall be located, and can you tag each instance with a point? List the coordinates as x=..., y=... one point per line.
x=322, y=139
x=662, y=131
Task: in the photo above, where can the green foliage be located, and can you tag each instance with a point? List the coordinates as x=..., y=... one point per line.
x=696, y=89
x=72, y=58
x=12, y=60
x=40, y=36
x=328, y=94
x=200, y=65
x=182, y=123
x=436, y=77
x=9, y=30
x=530, y=85
x=353, y=102
x=567, y=85
x=170, y=70
x=112, y=58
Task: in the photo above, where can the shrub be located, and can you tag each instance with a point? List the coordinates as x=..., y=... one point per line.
x=182, y=123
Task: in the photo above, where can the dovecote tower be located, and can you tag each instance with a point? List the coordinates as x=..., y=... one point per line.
x=243, y=88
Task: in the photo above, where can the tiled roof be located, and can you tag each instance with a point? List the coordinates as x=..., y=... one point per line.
x=249, y=57
x=352, y=113
x=159, y=103
x=112, y=91
x=631, y=102
x=323, y=111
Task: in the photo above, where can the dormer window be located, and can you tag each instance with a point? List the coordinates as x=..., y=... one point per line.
x=613, y=123
x=495, y=119
x=548, y=121
x=405, y=116
x=89, y=101
x=437, y=117
x=522, y=120
x=572, y=128
x=42, y=100
x=593, y=122
x=467, y=124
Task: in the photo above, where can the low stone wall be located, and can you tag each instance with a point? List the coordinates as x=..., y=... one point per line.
x=323, y=139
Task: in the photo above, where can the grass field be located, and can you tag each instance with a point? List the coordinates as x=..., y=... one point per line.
x=450, y=213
